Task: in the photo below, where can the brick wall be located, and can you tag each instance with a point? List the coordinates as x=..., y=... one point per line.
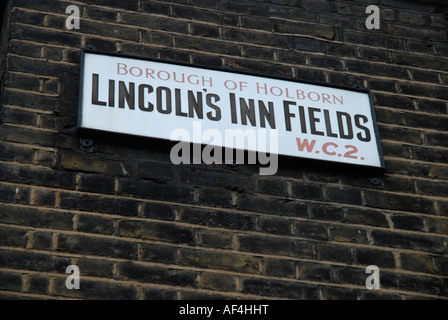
x=139, y=227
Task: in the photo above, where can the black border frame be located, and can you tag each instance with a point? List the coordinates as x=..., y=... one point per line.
x=229, y=70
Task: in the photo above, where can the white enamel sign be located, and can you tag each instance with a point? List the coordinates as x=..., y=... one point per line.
x=154, y=99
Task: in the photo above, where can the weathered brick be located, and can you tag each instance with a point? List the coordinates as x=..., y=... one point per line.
x=200, y=295
x=13, y=237
x=375, y=295
x=350, y=275
x=38, y=284
x=156, y=274
x=279, y=268
x=408, y=241
x=204, y=30
x=33, y=261
x=310, y=229
x=154, y=22
x=307, y=190
x=206, y=60
x=151, y=293
x=304, y=44
x=320, y=5
x=215, y=218
x=15, y=153
x=42, y=240
x=265, y=204
x=86, y=202
x=277, y=288
x=436, y=139
x=348, y=234
x=314, y=271
x=21, y=81
x=441, y=265
x=340, y=293
x=424, y=33
x=159, y=211
x=104, y=44
x=408, y=222
x=97, y=183
x=101, y=14
x=139, y=50
x=216, y=239
x=95, y=224
x=326, y=62
x=426, y=76
x=374, y=54
x=370, y=256
x=422, y=284
x=436, y=225
x=215, y=197
x=416, y=262
x=401, y=134
x=45, y=35
x=90, y=289
x=377, y=40
x=377, y=69
x=36, y=217
x=331, y=252
x=158, y=253
x=290, y=57
x=434, y=91
x=34, y=136
x=343, y=195
x=327, y=212
x=14, y=194
x=429, y=154
x=341, y=50
x=43, y=198
x=291, y=27
x=155, y=191
x=17, y=116
x=248, y=65
x=219, y=260
x=427, y=121
x=139, y=227
x=399, y=202
x=91, y=163
x=270, y=186
x=95, y=267
x=275, y=225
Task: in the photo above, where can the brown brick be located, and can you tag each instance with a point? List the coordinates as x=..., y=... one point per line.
x=276, y=245
x=139, y=227
x=91, y=163
x=219, y=260
x=155, y=231
x=416, y=262
x=220, y=282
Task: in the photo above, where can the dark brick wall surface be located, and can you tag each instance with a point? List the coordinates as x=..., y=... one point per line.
x=139, y=227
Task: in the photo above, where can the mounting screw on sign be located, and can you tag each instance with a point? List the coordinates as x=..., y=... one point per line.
x=375, y=180
x=86, y=143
